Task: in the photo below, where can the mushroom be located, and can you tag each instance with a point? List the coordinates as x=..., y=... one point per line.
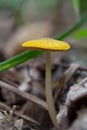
x=48, y=44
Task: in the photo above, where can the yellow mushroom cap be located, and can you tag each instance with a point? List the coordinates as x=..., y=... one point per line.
x=46, y=44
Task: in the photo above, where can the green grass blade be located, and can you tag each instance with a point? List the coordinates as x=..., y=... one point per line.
x=18, y=59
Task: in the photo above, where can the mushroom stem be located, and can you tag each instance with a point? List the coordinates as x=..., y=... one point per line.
x=49, y=97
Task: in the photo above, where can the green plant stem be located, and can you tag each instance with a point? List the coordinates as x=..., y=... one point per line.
x=22, y=57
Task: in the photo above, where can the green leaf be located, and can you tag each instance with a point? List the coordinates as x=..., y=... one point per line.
x=81, y=34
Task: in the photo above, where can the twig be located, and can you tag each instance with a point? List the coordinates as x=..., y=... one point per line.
x=17, y=113
x=24, y=94
x=66, y=65
x=63, y=80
